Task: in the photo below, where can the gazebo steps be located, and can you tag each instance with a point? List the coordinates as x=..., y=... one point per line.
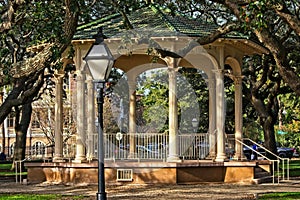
x=264, y=179
x=262, y=172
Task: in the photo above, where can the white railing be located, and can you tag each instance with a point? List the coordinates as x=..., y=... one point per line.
x=264, y=157
x=154, y=146
x=18, y=170
x=283, y=161
x=148, y=146
x=193, y=146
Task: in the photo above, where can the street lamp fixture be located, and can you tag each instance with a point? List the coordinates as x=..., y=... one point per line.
x=195, y=124
x=99, y=59
x=99, y=62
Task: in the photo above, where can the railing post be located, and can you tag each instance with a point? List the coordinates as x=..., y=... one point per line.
x=18, y=164
x=16, y=171
x=283, y=170
x=288, y=171
x=273, y=171
x=278, y=170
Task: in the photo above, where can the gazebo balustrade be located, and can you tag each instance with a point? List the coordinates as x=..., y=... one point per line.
x=154, y=146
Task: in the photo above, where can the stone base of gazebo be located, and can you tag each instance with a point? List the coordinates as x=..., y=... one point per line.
x=132, y=172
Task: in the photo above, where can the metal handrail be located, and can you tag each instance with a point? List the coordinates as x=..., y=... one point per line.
x=20, y=166
x=273, y=161
x=278, y=158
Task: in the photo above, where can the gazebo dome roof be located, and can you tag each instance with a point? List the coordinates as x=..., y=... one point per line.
x=153, y=19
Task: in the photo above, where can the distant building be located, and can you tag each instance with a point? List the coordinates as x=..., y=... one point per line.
x=40, y=134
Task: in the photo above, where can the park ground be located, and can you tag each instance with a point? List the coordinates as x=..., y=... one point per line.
x=160, y=192
x=214, y=191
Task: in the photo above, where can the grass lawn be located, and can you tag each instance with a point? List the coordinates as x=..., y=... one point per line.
x=11, y=173
x=38, y=197
x=5, y=166
x=280, y=196
x=295, y=168
x=6, y=170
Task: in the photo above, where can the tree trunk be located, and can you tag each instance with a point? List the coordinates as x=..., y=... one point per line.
x=2, y=126
x=3, y=138
x=264, y=99
x=21, y=131
x=269, y=135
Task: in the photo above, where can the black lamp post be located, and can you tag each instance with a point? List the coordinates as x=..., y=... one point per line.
x=100, y=61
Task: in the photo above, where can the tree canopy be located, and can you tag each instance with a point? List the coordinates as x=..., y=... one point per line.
x=275, y=23
x=34, y=34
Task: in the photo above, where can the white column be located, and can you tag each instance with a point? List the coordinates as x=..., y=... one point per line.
x=220, y=110
x=80, y=136
x=212, y=118
x=58, y=126
x=90, y=119
x=238, y=118
x=173, y=114
x=132, y=118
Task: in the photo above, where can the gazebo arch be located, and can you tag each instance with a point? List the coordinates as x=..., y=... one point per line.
x=209, y=65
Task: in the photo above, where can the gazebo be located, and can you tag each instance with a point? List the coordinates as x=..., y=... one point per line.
x=174, y=37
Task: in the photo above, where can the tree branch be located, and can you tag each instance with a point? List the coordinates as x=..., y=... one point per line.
x=8, y=16
x=288, y=17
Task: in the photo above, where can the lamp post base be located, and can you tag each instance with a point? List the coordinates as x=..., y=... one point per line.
x=101, y=196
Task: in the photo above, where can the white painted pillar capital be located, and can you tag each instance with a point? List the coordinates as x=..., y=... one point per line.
x=237, y=80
